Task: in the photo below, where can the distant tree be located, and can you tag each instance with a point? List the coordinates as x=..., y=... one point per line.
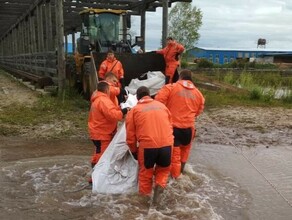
x=184, y=24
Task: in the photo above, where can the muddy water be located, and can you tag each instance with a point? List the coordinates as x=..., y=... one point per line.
x=47, y=180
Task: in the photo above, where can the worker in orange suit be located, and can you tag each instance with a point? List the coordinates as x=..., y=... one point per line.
x=149, y=124
x=114, y=88
x=111, y=64
x=102, y=122
x=185, y=102
x=171, y=54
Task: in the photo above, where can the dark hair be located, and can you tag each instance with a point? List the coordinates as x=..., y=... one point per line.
x=102, y=87
x=185, y=75
x=110, y=51
x=169, y=38
x=142, y=91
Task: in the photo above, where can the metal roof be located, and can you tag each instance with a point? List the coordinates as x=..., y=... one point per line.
x=14, y=11
x=257, y=50
x=278, y=54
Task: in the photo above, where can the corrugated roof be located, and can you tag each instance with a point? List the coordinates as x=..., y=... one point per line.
x=245, y=49
x=13, y=11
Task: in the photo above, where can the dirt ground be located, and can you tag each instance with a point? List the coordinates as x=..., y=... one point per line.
x=243, y=126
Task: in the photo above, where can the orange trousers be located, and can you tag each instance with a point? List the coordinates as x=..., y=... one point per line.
x=153, y=163
x=100, y=147
x=170, y=70
x=180, y=154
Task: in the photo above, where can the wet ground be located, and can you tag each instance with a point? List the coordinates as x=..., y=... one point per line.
x=247, y=154
x=240, y=168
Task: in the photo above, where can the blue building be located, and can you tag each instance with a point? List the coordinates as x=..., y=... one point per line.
x=221, y=56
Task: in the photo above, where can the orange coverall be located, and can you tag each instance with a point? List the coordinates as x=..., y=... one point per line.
x=102, y=122
x=149, y=123
x=111, y=65
x=170, y=53
x=185, y=102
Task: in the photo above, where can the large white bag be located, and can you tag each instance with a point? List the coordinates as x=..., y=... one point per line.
x=155, y=80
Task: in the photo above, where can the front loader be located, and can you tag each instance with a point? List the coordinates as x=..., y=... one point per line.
x=101, y=31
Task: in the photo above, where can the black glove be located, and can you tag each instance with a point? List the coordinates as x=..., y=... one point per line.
x=122, y=81
x=177, y=56
x=167, y=79
x=125, y=111
x=135, y=155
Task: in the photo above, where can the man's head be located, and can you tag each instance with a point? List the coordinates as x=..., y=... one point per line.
x=185, y=75
x=142, y=91
x=169, y=40
x=103, y=87
x=111, y=77
x=110, y=54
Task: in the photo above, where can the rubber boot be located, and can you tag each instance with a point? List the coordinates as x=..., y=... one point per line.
x=182, y=167
x=158, y=190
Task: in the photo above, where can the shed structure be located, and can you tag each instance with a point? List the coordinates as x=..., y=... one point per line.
x=33, y=32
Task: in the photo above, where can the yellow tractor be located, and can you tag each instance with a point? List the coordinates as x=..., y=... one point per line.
x=101, y=31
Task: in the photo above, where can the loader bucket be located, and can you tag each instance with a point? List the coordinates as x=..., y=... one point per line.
x=135, y=65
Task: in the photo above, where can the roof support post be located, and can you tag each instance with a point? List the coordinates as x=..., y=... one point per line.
x=49, y=27
x=60, y=46
x=40, y=28
x=66, y=44
x=32, y=32
x=164, y=22
x=143, y=27
x=124, y=17
x=73, y=42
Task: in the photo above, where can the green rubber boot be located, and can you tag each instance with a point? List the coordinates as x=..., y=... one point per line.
x=182, y=167
x=158, y=190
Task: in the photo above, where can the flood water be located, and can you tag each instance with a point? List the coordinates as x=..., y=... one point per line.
x=48, y=180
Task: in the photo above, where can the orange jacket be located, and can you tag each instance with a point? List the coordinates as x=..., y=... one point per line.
x=149, y=123
x=169, y=52
x=183, y=100
x=114, y=66
x=103, y=117
x=114, y=92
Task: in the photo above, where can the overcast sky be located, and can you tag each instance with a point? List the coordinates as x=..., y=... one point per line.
x=233, y=24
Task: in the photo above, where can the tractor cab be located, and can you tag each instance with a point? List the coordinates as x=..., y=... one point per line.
x=103, y=30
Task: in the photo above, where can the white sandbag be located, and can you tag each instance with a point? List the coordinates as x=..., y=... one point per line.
x=117, y=171
x=130, y=103
x=155, y=80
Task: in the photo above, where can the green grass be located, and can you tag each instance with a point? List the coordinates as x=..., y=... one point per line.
x=221, y=99
x=261, y=89
x=73, y=108
x=47, y=109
